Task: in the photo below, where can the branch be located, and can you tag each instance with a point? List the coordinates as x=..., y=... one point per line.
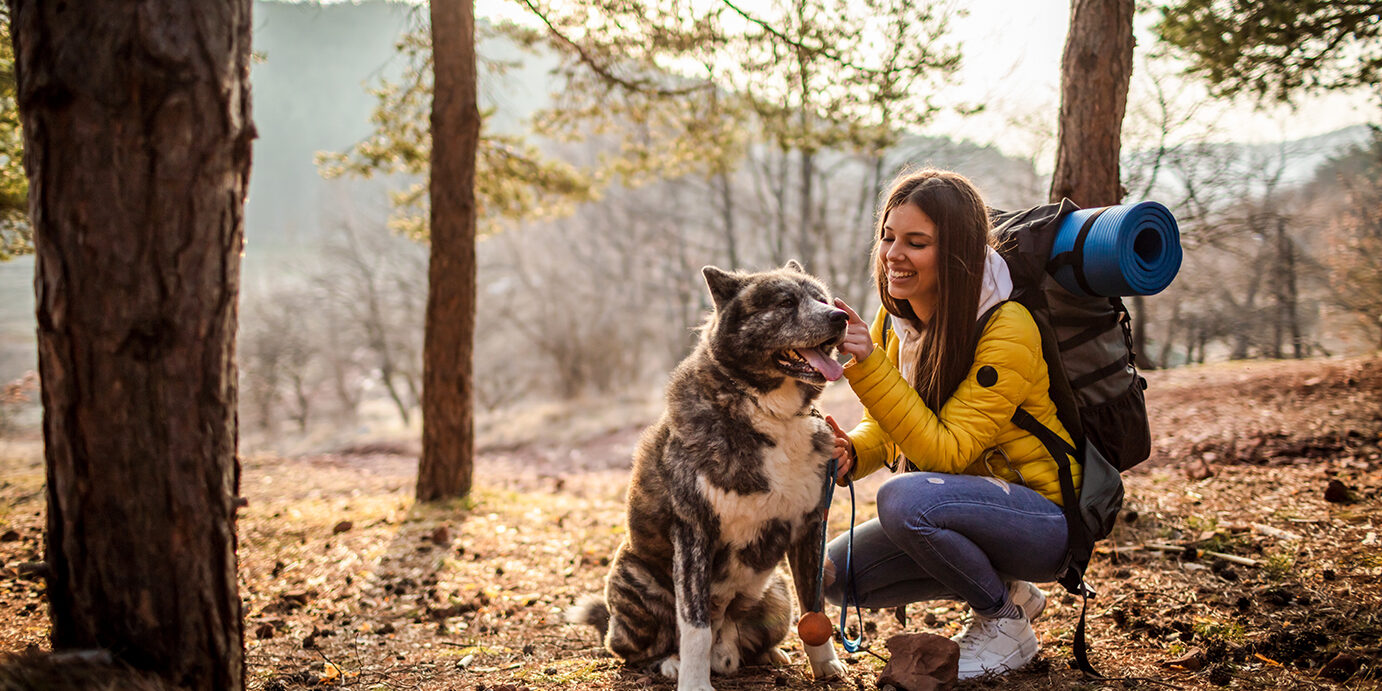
x=820, y=50
x=643, y=87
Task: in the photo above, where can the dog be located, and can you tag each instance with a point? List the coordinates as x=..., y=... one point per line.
x=732, y=477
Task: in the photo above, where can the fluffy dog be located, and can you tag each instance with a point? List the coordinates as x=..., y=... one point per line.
x=730, y=479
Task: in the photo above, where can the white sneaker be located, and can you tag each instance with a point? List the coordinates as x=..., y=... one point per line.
x=995, y=646
x=1028, y=597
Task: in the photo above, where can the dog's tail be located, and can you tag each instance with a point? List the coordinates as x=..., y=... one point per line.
x=591, y=610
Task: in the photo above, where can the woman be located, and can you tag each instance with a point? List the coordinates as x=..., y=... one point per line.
x=979, y=516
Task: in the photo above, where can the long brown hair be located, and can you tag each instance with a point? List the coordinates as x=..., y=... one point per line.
x=962, y=228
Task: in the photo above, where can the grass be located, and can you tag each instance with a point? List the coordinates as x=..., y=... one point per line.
x=1278, y=566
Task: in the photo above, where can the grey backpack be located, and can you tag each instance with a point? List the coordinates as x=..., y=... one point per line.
x=1087, y=345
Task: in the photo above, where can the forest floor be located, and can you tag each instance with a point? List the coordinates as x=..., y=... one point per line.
x=348, y=583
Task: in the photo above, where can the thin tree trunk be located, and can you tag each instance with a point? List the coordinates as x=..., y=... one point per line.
x=1139, y=333
x=448, y=427
x=1171, y=328
x=727, y=217
x=137, y=145
x=1291, y=295
x=806, y=243
x=1095, y=70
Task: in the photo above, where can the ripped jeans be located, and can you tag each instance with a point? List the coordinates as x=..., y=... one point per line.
x=950, y=537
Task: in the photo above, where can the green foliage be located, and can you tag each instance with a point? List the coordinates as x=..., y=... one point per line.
x=15, y=233
x=1278, y=565
x=513, y=180
x=1274, y=49
x=1216, y=630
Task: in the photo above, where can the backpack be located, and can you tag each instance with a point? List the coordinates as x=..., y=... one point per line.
x=1088, y=348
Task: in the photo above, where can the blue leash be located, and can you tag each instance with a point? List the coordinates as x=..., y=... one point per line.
x=850, y=645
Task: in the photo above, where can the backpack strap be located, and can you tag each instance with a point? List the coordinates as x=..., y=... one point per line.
x=1074, y=257
x=1079, y=546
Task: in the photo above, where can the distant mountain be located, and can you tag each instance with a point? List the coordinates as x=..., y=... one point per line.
x=1298, y=160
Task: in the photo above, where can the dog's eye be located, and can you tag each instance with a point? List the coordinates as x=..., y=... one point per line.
x=787, y=302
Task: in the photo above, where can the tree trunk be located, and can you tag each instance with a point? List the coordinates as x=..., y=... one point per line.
x=1290, y=296
x=448, y=429
x=727, y=217
x=806, y=240
x=1139, y=333
x=1095, y=70
x=137, y=146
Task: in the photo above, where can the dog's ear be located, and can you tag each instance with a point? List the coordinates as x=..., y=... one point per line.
x=793, y=265
x=723, y=284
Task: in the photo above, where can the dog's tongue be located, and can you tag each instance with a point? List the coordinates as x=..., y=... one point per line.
x=827, y=366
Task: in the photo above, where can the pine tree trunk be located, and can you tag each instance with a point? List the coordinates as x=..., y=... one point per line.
x=137, y=145
x=448, y=436
x=1095, y=70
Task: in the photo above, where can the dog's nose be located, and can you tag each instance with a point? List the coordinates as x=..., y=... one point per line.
x=839, y=319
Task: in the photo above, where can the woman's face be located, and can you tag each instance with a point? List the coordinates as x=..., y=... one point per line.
x=908, y=252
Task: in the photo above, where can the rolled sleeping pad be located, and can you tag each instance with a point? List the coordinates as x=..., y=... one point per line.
x=1127, y=249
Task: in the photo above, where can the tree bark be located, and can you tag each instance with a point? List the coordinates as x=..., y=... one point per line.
x=448, y=435
x=137, y=144
x=1095, y=70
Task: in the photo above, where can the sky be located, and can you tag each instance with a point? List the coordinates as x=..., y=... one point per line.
x=1012, y=52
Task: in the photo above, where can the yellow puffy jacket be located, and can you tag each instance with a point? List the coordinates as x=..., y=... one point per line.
x=975, y=422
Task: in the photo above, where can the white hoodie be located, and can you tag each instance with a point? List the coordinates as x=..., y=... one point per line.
x=996, y=286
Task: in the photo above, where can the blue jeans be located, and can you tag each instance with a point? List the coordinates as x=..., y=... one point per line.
x=947, y=537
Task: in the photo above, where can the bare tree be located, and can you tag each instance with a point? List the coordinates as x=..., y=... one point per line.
x=137, y=146
x=373, y=283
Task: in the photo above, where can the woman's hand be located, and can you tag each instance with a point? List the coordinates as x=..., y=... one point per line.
x=844, y=453
x=857, y=341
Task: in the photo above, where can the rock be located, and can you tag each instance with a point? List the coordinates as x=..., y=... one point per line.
x=441, y=536
x=1199, y=469
x=1276, y=595
x=921, y=662
x=1222, y=569
x=1192, y=660
x=1342, y=667
x=342, y=527
x=1220, y=675
x=1338, y=493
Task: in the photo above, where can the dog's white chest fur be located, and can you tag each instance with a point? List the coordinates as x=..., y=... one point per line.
x=790, y=466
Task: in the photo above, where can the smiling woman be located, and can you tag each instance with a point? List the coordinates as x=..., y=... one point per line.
x=981, y=516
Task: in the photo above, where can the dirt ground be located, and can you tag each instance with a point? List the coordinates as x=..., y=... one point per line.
x=1247, y=555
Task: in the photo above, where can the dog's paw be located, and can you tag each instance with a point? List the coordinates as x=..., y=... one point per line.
x=688, y=685
x=725, y=657
x=830, y=669
x=669, y=667
x=775, y=657
x=824, y=664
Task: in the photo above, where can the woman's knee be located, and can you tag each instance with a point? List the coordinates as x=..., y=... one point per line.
x=902, y=503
